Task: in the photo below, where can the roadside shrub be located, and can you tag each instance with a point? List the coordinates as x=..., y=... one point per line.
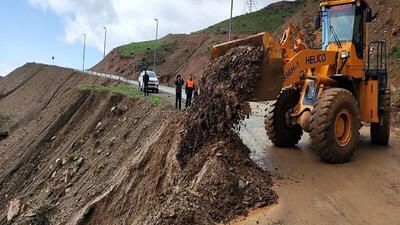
x=395, y=52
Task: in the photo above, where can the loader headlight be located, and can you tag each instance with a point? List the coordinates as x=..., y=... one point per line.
x=344, y=54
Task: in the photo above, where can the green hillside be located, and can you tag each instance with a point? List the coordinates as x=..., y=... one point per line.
x=270, y=18
x=137, y=48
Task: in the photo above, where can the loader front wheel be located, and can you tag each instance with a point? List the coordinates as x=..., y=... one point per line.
x=335, y=125
x=277, y=122
x=380, y=132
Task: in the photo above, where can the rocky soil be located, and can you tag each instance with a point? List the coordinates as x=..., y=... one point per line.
x=84, y=157
x=198, y=171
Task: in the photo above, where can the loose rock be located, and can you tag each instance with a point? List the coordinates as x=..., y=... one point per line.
x=14, y=209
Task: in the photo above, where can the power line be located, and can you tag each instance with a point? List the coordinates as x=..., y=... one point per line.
x=250, y=6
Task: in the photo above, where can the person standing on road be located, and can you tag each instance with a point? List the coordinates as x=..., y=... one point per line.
x=178, y=91
x=146, y=79
x=189, y=90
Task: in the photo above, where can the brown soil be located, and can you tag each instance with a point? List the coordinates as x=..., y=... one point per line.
x=396, y=113
x=189, y=177
x=97, y=158
x=226, y=84
x=17, y=78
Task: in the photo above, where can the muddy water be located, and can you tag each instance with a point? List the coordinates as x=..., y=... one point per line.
x=363, y=191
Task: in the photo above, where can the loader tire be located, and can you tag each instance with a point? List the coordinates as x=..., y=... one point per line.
x=280, y=132
x=335, y=125
x=380, y=132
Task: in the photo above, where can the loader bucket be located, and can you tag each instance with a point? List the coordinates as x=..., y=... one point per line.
x=271, y=81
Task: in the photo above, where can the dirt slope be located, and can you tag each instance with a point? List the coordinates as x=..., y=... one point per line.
x=86, y=157
x=17, y=78
x=192, y=172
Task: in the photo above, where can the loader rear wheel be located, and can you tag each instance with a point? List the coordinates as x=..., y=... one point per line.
x=380, y=132
x=277, y=122
x=335, y=125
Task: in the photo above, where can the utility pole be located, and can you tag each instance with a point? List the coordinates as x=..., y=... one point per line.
x=230, y=23
x=104, y=52
x=155, y=47
x=84, y=50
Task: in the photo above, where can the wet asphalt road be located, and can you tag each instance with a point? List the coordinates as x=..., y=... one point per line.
x=363, y=191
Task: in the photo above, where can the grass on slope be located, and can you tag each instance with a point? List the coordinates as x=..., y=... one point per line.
x=123, y=90
x=137, y=48
x=395, y=52
x=395, y=96
x=269, y=18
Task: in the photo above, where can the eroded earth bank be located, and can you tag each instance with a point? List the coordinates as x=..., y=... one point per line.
x=94, y=157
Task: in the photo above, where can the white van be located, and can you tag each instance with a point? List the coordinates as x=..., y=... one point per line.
x=153, y=81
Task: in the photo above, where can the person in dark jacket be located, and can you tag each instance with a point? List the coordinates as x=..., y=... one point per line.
x=189, y=90
x=146, y=79
x=178, y=91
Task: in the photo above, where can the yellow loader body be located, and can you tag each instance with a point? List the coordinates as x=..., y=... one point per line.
x=327, y=92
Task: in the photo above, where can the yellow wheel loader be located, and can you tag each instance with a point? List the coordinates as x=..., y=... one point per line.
x=328, y=92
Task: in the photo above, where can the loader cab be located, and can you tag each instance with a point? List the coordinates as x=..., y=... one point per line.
x=344, y=22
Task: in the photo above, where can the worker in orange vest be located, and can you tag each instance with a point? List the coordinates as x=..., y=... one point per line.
x=190, y=85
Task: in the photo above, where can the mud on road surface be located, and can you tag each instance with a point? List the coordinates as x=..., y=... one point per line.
x=364, y=191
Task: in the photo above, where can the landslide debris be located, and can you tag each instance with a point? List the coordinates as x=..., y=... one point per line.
x=210, y=146
x=197, y=170
x=226, y=84
x=103, y=158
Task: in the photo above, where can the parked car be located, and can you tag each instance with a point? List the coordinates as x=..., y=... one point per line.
x=153, y=81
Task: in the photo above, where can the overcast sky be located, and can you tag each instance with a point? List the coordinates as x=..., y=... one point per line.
x=35, y=30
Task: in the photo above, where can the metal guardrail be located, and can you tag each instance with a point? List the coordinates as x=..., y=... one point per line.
x=165, y=89
x=109, y=76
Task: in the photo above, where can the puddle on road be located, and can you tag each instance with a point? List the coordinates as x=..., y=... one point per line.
x=253, y=134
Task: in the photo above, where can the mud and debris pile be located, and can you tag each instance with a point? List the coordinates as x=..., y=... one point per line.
x=219, y=183
x=225, y=85
x=197, y=171
x=219, y=179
